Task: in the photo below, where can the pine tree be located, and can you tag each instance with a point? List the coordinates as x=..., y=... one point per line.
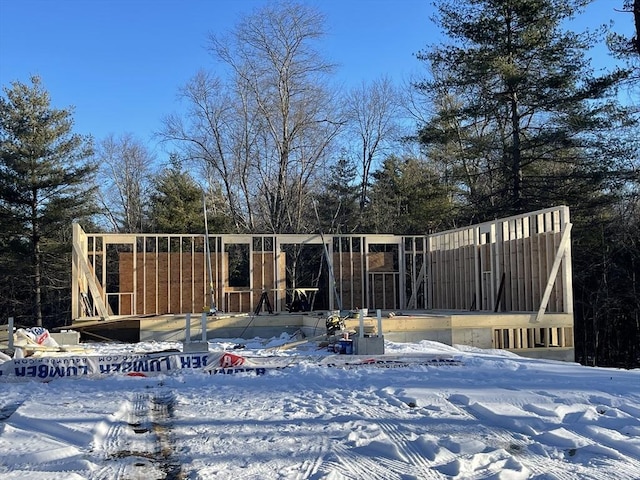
x=45, y=185
x=407, y=198
x=337, y=205
x=528, y=124
x=522, y=122
x=176, y=204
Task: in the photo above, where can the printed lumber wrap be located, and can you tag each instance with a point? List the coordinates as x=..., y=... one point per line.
x=47, y=368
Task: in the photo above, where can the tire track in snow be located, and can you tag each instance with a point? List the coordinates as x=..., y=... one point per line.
x=358, y=467
x=127, y=443
x=422, y=467
x=138, y=443
x=138, y=411
x=310, y=466
x=110, y=472
x=107, y=437
x=426, y=467
x=412, y=458
x=338, y=456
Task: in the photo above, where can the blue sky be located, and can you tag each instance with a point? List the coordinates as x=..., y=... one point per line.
x=120, y=63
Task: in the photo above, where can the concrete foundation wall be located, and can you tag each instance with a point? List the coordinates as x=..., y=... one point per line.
x=442, y=336
x=560, y=354
x=550, y=338
x=474, y=337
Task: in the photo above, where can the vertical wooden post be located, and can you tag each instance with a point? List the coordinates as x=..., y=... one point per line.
x=401, y=302
x=203, y=326
x=10, y=332
x=498, y=238
x=429, y=277
x=368, y=289
x=567, y=270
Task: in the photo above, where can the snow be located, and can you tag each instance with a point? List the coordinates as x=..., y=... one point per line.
x=493, y=415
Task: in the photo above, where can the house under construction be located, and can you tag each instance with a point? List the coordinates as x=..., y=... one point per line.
x=503, y=284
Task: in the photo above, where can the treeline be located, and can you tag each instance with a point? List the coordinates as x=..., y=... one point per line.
x=509, y=118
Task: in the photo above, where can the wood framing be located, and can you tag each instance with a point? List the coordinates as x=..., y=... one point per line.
x=528, y=255
x=515, y=264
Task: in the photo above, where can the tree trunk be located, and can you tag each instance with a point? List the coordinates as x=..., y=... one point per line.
x=37, y=278
x=36, y=262
x=516, y=161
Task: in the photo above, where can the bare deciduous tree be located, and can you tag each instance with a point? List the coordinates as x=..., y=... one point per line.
x=217, y=134
x=372, y=111
x=267, y=131
x=126, y=168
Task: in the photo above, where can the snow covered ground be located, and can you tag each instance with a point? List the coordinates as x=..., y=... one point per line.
x=495, y=416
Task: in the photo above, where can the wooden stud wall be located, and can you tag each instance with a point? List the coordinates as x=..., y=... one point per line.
x=467, y=266
x=350, y=279
x=165, y=282
x=455, y=270
x=170, y=282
